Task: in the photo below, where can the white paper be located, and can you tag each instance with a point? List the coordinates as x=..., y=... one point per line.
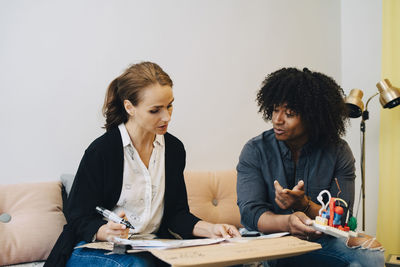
x=274, y=235
x=166, y=244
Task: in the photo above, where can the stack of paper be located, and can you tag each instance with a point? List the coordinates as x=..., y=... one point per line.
x=167, y=243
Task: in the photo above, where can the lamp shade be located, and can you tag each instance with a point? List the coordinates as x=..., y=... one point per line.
x=389, y=95
x=354, y=103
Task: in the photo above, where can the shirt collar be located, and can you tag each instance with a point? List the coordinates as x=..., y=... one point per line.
x=286, y=153
x=126, y=140
x=159, y=140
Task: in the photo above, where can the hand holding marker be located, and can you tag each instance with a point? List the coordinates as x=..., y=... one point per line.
x=113, y=217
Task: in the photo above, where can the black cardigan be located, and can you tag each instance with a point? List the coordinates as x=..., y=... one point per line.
x=98, y=182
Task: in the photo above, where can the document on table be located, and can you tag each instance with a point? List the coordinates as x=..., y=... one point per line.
x=275, y=235
x=148, y=244
x=166, y=243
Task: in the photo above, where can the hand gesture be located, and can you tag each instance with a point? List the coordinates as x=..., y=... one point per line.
x=108, y=231
x=299, y=226
x=290, y=199
x=224, y=230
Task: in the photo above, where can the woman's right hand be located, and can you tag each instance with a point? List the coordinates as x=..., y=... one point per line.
x=108, y=231
x=299, y=226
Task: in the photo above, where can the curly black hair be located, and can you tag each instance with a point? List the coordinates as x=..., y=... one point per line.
x=317, y=98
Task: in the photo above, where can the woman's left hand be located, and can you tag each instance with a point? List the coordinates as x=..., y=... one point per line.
x=212, y=230
x=224, y=230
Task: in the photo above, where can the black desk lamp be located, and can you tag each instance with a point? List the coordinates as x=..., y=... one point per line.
x=389, y=98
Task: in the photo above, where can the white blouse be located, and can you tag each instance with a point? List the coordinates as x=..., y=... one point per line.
x=142, y=195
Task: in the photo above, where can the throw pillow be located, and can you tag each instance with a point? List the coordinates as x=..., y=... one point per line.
x=36, y=221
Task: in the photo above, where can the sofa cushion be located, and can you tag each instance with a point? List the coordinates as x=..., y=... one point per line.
x=212, y=196
x=36, y=221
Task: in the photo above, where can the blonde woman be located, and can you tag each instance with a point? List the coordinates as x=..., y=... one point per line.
x=134, y=169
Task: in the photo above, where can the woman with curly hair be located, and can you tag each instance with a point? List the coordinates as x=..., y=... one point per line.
x=282, y=171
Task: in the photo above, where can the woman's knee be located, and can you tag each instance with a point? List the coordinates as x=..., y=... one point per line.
x=94, y=257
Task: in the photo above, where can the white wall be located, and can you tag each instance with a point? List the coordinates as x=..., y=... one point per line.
x=361, y=68
x=57, y=58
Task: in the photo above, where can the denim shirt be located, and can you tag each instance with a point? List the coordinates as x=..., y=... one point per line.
x=265, y=159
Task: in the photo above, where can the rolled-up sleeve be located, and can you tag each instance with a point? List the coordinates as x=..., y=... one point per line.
x=251, y=188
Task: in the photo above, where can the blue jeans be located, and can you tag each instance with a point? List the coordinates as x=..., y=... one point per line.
x=336, y=253
x=97, y=257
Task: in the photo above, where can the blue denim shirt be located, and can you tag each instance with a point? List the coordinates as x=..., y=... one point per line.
x=265, y=159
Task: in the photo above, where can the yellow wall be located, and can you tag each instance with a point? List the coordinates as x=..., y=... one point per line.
x=388, y=228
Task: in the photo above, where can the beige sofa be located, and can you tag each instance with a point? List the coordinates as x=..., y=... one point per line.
x=37, y=218
x=212, y=196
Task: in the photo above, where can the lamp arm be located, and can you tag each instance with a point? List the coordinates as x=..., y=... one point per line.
x=369, y=99
x=365, y=113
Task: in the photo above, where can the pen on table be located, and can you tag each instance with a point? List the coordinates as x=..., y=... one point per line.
x=113, y=217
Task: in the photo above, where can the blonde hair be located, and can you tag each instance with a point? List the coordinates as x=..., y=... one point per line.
x=128, y=87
